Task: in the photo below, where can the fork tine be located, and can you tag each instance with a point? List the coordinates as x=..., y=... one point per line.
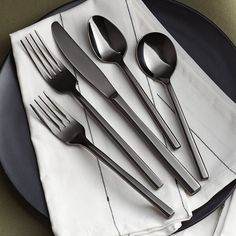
x=63, y=118
x=47, y=114
x=39, y=65
x=59, y=109
x=40, y=57
x=50, y=125
x=51, y=110
x=50, y=53
x=46, y=54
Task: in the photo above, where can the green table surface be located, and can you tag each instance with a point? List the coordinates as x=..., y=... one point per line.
x=15, y=218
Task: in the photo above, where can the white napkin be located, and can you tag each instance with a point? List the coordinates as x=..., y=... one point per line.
x=84, y=197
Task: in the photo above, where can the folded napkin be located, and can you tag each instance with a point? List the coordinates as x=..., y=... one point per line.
x=84, y=197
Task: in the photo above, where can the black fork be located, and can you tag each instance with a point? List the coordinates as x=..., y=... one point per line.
x=71, y=132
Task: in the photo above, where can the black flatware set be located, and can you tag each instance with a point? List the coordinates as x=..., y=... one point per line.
x=156, y=56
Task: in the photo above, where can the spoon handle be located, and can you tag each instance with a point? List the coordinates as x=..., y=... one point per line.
x=151, y=108
x=155, y=201
x=146, y=171
x=171, y=162
x=196, y=154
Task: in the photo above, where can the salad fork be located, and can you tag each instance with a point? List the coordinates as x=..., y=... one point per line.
x=71, y=132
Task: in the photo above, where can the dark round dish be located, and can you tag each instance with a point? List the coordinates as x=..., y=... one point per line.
x=17, y=155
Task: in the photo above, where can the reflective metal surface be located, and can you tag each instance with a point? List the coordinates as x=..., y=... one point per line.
x=71, y=132
x=157, y=57
x=110, y=46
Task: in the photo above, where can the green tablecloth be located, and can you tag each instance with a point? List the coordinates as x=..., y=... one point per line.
x=15, y=218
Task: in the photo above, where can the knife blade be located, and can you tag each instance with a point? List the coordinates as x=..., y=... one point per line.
x=89, y=70
x=80, y=60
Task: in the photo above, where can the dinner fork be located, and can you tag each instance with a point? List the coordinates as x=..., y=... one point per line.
x=71, y=132
x=61, y=79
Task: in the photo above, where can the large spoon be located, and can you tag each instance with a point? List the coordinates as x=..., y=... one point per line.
x=157, y=57
x=110, y=45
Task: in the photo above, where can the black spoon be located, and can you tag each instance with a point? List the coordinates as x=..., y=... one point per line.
x=157, y=58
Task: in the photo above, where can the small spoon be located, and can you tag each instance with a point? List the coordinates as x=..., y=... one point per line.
x=110, y=46
x=157, y=58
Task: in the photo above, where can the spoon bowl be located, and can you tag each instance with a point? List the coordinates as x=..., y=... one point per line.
x=107, y=41
x=157, y=56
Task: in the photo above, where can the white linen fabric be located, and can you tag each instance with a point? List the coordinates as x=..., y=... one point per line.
x=84, y=197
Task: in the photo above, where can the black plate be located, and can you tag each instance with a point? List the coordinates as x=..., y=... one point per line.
x=210, y=48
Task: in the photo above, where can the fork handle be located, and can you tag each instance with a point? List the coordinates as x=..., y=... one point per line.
x=147, y=172
x=155, y=201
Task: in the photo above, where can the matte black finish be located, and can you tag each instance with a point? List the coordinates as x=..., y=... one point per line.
x=110, y=46
x=214, y=50
x=60, y=78
x=71, y=132
x=156, y=55
x=76, y=57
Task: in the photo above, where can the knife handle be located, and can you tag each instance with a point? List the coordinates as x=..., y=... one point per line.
x=135, y=121
x=171, y=162
x=193, y=146
x=151, y=177
x=151, y=108
x=155, y=201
